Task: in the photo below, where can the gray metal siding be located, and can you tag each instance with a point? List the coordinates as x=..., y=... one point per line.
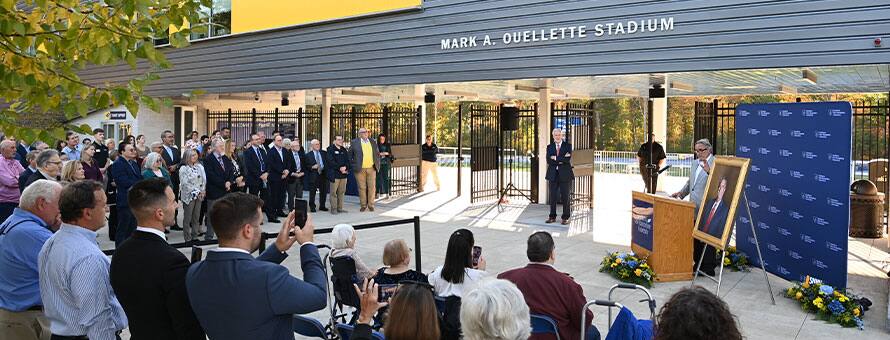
x=405, y=48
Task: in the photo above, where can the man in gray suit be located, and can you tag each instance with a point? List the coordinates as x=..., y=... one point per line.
x=695, y=189
x=365, y=160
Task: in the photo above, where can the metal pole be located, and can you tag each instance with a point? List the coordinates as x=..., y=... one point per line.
x=460, y=158
x=417, y=265
x=757, y=245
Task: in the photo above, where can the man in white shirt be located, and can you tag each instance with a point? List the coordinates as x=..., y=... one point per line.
x=695, y=189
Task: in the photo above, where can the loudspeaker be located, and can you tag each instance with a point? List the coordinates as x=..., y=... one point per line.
x=509, y=118
x=429, y=98
x=656, y=92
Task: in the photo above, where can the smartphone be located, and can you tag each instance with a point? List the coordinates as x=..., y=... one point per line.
x=386, y=291
x=197, y=253
x=301, y=207
x=477, y=253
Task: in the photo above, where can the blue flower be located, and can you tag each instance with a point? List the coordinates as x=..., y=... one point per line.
x=836, y=307
x=632, y=264
x=859, y=323
x=622, y=256
x=631, y=254
x=826, y=290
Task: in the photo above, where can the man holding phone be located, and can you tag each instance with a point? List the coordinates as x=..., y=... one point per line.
x=232, y=292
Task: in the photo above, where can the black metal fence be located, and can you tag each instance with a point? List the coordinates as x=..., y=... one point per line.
x=303, y=125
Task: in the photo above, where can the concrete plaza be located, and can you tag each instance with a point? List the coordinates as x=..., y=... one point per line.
x=582, y=244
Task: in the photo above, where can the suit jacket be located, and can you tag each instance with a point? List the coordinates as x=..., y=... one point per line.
x=148, y=277
x=337, y=157
x=277, y=164
x=23, y=178
x=217, y=176
x=177, y=157
x=21, y=154
x=125, y=175
x=356, y=155
x=312, y=174
x=252, y=167
x=561, y=168
x=718, y=222
x=292, y=165
x=37, y=175
x=695, y=187
x=552, y=293
x=236, y=296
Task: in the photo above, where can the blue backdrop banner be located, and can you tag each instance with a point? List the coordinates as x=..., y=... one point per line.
x=798, y=187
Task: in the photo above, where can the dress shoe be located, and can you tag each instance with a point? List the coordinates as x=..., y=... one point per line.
x=363, y=209
x=311, y=209
x=275, y=220
x=550, y=220
x=323, y=209
x=176, y=227
x=565, y=222
x=281, y=214
x=333, y=211
x=371, y=208
x=201, y=233
x=342, y=211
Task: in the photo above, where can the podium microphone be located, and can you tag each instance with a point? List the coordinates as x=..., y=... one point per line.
x=664, y=169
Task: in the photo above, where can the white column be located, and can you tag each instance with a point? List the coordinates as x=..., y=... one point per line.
x=544, y=129
x=327, y=98
x=659, y=120
x=420, y=92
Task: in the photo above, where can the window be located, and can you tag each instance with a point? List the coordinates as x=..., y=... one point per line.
x=216, y=20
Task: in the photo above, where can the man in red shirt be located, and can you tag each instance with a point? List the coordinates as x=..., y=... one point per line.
x=550, y=292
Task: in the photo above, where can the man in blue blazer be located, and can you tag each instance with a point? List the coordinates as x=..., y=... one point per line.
x=560, y=176
x=236, y=296
x=125, y=172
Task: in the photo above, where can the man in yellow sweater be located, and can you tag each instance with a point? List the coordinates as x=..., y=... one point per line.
x=365, y=160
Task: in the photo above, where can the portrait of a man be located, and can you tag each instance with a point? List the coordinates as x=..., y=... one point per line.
x=722, y=195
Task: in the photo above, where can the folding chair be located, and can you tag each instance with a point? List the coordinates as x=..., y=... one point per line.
x=310, y=327
x=542, y=324
x=345, y=332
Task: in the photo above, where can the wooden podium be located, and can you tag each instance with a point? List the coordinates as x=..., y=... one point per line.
x=668, y=244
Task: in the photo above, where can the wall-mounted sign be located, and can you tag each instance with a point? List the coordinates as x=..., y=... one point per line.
x=571, y=32
x=117, y=115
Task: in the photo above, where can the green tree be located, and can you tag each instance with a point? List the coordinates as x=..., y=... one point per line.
x=45, y=43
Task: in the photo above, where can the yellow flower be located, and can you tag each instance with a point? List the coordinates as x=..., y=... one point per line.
x=644, y=265
x=806, y=282
x=618, y=261
x=818, y=303
x=842, y=297
x=856, y=311
x=798, y=296
x=726, y=261
x=638, y=272
x=614, y=265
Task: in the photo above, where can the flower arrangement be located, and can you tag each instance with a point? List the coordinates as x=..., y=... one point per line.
x=828, y=303
x=627, y=267
x=735, y=260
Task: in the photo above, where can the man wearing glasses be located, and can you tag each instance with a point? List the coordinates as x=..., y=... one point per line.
x=695, y=189
x=49, y=165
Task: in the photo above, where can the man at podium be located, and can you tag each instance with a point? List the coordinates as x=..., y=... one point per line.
x=695, y=189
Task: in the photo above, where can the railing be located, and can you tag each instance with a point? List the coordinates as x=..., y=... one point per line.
x=625, y=162
x=197, y=250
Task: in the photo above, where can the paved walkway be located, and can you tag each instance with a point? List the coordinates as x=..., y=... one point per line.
x=582, y=244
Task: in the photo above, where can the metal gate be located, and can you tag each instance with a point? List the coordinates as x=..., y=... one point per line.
x=400, y=123
x=303, y=125
x=499, y=158
x=578, y=122
x=716, y=122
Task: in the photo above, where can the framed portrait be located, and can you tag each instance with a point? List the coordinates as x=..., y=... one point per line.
x=716, y=215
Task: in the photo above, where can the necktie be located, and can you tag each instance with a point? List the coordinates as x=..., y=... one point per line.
x=297, y=161
x=557, y=149
x=260, y=157
x=318, y=160
x=710, y=216
x=221, y=164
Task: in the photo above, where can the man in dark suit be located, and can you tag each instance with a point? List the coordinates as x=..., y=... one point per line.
x=126, y=173
x=255, y=166
x=21, y=152
x=550, y=292
x=148, y=275
x=297, y=172
x=237, y=296
x=30, y=169
x=49, y=166
x=337, y=173
x=560, y=176
x=315, y=175
x=101, y=154
x=172, y=156
x=714, y=218
x=279, y=169
x=220, y=172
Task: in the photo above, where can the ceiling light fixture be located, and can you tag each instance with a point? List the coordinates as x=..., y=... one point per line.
x=360, y=93
x=627, y=92
x=787, y=89
x=809, y=76
x=460, y=93
x=679, y=86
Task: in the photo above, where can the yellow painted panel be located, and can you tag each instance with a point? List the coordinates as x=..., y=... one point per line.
x=255, y=15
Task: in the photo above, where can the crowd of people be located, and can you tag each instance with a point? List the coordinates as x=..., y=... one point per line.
x=56, y=283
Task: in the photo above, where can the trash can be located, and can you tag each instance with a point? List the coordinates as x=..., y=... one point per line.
x=866, y=210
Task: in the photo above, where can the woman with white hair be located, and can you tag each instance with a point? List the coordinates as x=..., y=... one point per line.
x=495, y=309
x=153, y=167
x=192, y=189
x=343, y=241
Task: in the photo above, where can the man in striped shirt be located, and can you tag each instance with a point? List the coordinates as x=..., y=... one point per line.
x=74, y=285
